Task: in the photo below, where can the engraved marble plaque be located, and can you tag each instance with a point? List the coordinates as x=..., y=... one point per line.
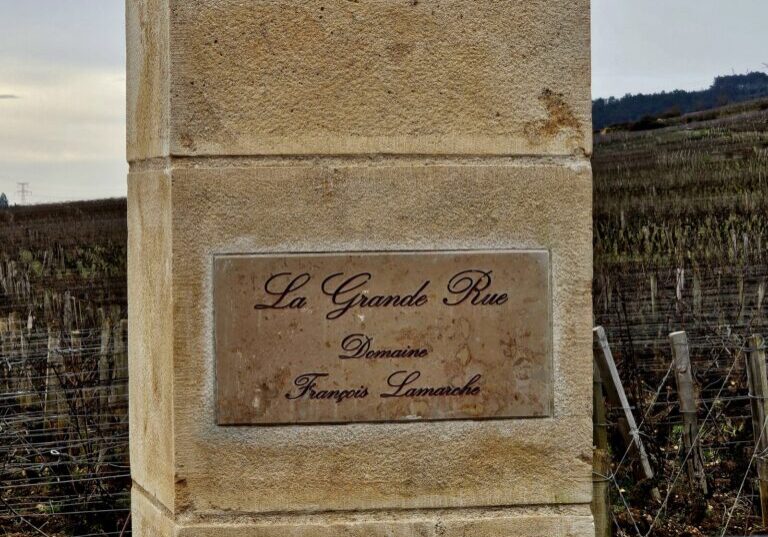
x=395, y=336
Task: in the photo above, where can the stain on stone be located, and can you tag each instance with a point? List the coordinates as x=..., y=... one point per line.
x=399, y=51
x=326, y=188
x=187, y=141
x=560, y=117
x=182, y=493
x=184, y=502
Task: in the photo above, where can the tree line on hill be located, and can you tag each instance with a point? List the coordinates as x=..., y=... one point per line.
x=632, y=108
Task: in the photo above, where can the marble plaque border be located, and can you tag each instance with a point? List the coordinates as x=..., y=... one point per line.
x=549, y=360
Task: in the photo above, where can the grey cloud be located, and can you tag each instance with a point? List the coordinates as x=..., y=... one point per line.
x=9, y=96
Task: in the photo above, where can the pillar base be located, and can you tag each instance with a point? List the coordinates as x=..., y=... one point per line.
x=150, y=518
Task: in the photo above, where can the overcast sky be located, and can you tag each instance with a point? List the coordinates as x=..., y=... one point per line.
x=62, y=77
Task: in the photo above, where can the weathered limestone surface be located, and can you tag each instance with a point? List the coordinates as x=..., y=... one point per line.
x=150, y=519
x=226, y=77
x=286, y=126
x=148, y=71
x=520, y=523
x=385, y=465
x=150, y=331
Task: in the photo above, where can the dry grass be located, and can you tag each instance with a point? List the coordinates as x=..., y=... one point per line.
x=63, y=387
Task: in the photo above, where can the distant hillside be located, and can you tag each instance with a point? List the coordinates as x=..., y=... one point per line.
x=725, y=90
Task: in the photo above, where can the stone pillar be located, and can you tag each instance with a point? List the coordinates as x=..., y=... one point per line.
x=266, y=128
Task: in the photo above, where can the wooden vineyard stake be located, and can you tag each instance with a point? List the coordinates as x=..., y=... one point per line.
x=617, y=397
x=758, y=391
x=601, y=461
x=55, y=398
x=5, y=352
x=105, y=371
x=599, y=417
x=119, y=395
x=686, y=392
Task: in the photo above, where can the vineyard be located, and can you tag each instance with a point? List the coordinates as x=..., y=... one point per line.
x=681, y=244
x=63, y=370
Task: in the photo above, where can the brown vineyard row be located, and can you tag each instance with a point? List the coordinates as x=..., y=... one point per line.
x=681, y=243
x=63, y=382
